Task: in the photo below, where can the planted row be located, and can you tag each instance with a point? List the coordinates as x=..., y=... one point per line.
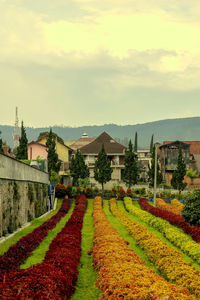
x=18, y=253
x=175, y=208
x=176, y=220
x=56, y=276
x=173, y=234
x=177, y=203
x=121, y=273
x=167, y=259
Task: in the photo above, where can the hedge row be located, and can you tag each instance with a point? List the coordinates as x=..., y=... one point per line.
x=176, y=220
x=18, y=253
x=167, y=259
x=174, y=235
x=56, y=276
x=121, y=273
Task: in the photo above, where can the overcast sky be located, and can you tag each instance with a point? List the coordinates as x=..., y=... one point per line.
x=86, y=62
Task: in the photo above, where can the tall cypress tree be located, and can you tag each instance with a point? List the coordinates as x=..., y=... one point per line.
x=151, y=144
x=152, y=170
x=130, y=174
x=22, y=149
x=52, y=157
x=102, y=168
x=136, y=143
x=78, y=168
x=1, y=144
x=179, y=173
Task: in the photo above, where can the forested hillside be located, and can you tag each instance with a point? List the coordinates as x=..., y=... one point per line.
x=171, y=129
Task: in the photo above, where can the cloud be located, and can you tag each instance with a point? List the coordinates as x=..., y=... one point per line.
x=86, y=61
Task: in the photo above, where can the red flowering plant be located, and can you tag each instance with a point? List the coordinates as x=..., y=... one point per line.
x=69, y=190
x=61, y=190
x=56, y=276
x=129, y=192
x=113, y=192
x=121, y=193
x=176, y=220
x=88, y=191
x=18, y=253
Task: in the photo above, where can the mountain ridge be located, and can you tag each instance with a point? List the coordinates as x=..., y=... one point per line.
x=167, y=129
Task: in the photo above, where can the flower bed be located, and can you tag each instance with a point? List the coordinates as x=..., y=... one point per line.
x=176, y=220
x=177, y=203
x=121, y=273
x=173, y=234
x=167, y=259
x=56, y=276
x=18, y=253
x=174, y=208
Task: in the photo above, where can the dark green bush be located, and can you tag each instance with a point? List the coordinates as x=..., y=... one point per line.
x=191, y=210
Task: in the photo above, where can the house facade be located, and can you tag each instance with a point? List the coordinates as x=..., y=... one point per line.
x=36, y=149
x=169, y=157
x=39, y=148
x=144, y=162
x=114, y=151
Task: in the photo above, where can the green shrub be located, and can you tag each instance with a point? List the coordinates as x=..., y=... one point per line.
x=165, y=186
x=191, y=209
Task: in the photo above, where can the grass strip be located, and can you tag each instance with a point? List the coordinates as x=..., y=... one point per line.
x=85, y=287
x=157, y=233
x=124, y=233
x=40, y=252
x=34, y=224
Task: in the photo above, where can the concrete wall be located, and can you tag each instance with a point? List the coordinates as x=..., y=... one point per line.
x=23, y=194
x=12, y=169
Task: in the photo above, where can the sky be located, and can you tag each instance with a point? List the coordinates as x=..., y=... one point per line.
x=92, y=62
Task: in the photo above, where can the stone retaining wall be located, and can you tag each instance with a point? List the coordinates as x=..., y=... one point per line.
x=23, y=194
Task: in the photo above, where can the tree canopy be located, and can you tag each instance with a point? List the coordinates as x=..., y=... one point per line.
x=52, y=157
x=1, y=144
x=22, y=149
x=130, y=175
x=136, y=143
x=179, y=173
x=102, y=168
x=78, y=168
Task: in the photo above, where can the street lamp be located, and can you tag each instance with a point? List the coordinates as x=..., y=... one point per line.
x=155, y=173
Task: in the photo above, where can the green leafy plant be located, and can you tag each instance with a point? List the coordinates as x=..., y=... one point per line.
x=191, y=209
x=54, y=177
